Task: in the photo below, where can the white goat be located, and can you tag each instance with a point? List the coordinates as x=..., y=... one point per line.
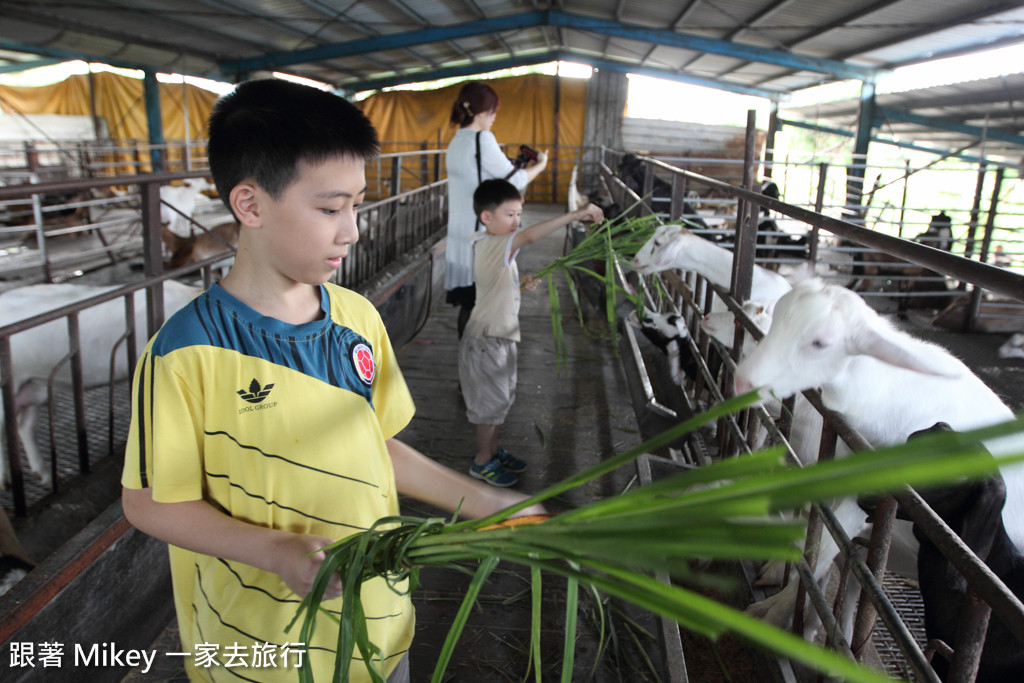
x=885, y=382
x=805, y=429
x=183, y=198
x=722, y=325
x=36, y=351
x=14, y=561
x=673, y=246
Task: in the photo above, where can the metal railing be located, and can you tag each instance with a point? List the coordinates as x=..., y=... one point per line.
x=716, y=365
x=390, y=230
x=987, y=228
x=105, y=213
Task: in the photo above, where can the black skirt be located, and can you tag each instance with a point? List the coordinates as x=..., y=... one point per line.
x=462, y=296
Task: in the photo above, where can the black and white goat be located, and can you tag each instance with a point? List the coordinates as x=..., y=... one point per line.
x=667, y=331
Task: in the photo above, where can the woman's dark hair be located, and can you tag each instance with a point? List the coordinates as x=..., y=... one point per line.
x=262, y=129
x=474, y=98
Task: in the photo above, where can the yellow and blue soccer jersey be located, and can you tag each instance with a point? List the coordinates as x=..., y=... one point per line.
x=279, y=425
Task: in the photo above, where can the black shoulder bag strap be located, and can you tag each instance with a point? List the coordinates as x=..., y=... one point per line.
x=479, y=175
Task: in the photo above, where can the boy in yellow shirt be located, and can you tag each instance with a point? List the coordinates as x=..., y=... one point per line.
x=265, y=412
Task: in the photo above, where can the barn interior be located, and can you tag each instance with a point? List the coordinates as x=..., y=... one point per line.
x=908, y=195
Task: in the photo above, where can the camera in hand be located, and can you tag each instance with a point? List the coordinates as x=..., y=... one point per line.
x=527, y=156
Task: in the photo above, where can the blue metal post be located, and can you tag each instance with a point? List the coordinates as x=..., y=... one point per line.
x=865, y=121
x=154, y=119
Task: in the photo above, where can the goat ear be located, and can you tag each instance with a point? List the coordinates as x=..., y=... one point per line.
x=888, y=349
x=804, y=271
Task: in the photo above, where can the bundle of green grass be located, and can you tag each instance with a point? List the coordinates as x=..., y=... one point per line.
x=724, y=511
x=606, y=247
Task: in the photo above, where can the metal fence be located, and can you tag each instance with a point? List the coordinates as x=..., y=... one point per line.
x=983, y=219
x=390, y=230
x=46, y=209
x=692, y=296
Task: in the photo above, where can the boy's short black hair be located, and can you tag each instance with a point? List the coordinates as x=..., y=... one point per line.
x=262, y=129
x=490, y=194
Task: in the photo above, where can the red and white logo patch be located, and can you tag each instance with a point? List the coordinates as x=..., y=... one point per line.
x=362, y=358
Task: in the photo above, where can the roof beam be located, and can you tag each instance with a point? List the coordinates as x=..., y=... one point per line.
x=334, y=14
x=557, y=19
x=884, y=114
x=389, y=41
x=858, y=13
x=681, y=17
x=415, y=16
x=172, y=25
x=450, y=72
x=274, y=24
x=554, y=56
x=14, y=67
x=623, y=67
x=720, y=47
x=748, y=25
x=928, y=29
x=68, y=55
x=882, y=4
x=1006, y=96
x=885, y=141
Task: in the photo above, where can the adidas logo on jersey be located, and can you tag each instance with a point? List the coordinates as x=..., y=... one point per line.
x=256, y=394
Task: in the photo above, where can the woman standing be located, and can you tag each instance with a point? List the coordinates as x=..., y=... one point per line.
x=473, y=156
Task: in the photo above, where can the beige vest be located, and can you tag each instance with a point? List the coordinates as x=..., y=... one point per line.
x=496, y=313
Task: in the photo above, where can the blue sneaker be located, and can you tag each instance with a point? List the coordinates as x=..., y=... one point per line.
x=493, y=473
x=510, y=462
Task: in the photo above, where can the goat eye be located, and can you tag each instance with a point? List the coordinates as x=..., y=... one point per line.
x=818, y=344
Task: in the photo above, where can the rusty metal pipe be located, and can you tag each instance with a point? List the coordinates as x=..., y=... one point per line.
x=873, y=591
x=882, y=523
x=970, y=640
x=999, y=280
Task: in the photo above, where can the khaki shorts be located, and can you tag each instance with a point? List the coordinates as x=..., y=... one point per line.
x=487, y=372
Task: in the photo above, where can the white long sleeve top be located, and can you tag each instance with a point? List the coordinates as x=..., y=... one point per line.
x=460, y=161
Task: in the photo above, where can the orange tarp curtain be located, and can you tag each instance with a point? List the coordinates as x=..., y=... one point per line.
x=119, y=100
x=526, y=115
x=406, y=120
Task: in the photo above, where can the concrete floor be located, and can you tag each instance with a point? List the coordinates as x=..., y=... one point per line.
x=560, y=424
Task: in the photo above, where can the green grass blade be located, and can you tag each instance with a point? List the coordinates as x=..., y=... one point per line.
x=572, y=594
x=485, y=569
x=536, y=603
x=611, y=464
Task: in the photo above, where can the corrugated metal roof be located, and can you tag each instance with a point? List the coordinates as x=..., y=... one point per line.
x=766, y=47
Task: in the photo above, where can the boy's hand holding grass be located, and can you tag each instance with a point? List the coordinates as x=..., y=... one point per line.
x=529, y=283
x=589, y=214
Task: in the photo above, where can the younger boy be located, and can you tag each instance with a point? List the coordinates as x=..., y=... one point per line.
x=265, y=411
x=488, y=350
